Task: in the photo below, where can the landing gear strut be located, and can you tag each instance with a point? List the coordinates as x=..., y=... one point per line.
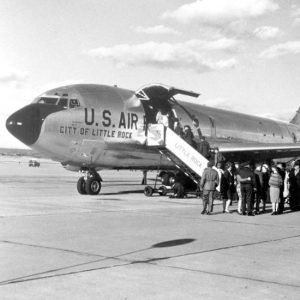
x=89, y=184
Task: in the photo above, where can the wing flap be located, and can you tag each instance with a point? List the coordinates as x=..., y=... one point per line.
x=258, y=152
x=259, y=147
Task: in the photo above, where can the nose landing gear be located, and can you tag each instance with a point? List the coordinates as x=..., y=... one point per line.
x=90, y=183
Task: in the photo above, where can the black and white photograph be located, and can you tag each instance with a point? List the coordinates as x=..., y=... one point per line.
x=149, y=149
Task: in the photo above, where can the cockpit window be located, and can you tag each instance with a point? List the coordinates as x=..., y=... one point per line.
x=48, y=100
x=60, y=101
x=63, y=102
x=74, y=103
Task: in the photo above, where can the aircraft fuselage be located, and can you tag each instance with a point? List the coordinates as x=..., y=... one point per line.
x=97, y=126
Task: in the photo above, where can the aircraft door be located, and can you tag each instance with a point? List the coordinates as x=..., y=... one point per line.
x=159, y=100
x=155, y=101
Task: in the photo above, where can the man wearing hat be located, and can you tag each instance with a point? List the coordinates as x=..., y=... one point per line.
x=294, y=180
x=209, y=182
x=246, y=178
x=281, y=170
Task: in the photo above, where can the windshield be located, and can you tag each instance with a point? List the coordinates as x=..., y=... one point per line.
x=48, y=100
x=60, y=101
x=63, y=102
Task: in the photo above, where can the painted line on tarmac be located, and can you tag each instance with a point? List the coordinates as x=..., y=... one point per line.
x=53, y=248
x=60, y=275
x=236, y=246
x=31, y=277
x=231, y=276
x=148, y=261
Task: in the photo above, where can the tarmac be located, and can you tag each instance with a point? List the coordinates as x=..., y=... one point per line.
x=120, y=244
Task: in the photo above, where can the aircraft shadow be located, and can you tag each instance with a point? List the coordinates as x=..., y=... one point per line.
x=50, y=273
x=129, y=184
x=111, y=199
x=122, y=193
x=123, y=180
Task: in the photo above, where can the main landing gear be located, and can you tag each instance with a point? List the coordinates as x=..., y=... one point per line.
x=90, y=183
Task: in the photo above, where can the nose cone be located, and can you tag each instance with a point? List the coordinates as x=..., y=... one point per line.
x=25, y=124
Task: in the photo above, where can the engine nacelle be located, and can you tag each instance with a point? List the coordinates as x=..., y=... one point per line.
x=71, y=167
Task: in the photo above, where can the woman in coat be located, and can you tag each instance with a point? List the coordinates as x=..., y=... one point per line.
x=275, y=182
x=228, y=186
x=188, y=136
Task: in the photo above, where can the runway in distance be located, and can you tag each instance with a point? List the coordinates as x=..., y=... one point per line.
x=91, y=127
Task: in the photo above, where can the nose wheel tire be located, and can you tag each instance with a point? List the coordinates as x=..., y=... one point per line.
x=81, y=186
x=93, y=186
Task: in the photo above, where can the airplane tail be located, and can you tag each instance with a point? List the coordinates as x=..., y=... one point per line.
x=296, y=119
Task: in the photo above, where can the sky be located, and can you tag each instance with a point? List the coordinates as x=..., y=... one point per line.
x=241, y=55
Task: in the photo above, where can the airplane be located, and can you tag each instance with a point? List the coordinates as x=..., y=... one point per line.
x=89, y=127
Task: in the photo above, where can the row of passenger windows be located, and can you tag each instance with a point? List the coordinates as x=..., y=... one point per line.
x=63, y=102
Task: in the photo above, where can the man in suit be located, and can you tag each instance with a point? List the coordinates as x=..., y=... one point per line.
x=208, y=183
x=281, y=170
x=246, y=178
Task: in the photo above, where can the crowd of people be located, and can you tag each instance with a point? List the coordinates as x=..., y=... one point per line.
x=252, y=186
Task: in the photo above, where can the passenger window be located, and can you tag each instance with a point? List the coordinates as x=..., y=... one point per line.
x=63, y=102
x=74, y=103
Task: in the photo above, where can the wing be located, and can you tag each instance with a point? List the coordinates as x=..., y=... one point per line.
x=258, y=151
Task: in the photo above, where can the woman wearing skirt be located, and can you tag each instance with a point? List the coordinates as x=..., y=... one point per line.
x=275, y=183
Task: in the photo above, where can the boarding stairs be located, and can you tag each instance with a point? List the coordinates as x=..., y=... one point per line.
x=180, y=165
x=183, y=155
